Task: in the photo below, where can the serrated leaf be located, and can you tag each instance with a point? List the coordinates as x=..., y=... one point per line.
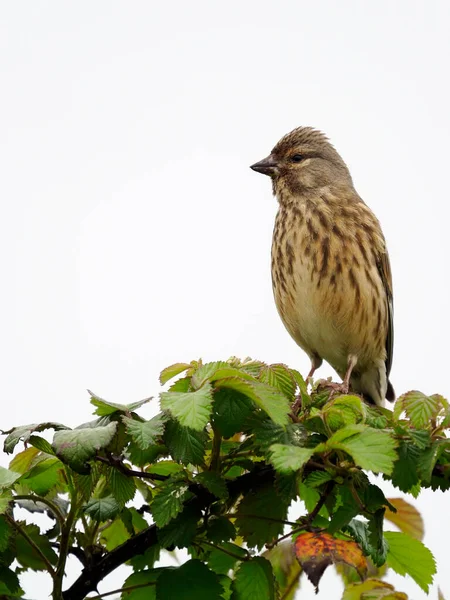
x=172, y=371
x=427, y=460
x=272, y=401
x=191, y=409
x=147, y=559
x=75, y=447
x=122, y=487
x=260, y=516
x=286, y=569
x=344, y=410
x=421, y=409
x=405, y=473
x=5, y=499
x=7, y=478
x=279, y=377
x=317, y=478
x=102, y=509
x=169, y=501
x=21, y=463
x=181, y=530
x=165, y=467
x=185, y=445
x=407, y=518
x=266, y=433
x=9, y=584
x=371, y=449
x=286, y=459
x=408, y=556
x=377, y=541
x=145, y=433
x=207, y=372
x=105, y=408
x=191, y=580
x=254, y=579
x=27, y=556
x=220, y=562
x=230, y=409
x=23, y=433
x=114, y=535
x=214, y=483
x=141, y=458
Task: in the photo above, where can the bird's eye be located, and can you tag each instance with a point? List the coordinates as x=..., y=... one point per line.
x=296, y=158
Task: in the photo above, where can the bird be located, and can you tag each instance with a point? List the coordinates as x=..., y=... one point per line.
x=331, y=273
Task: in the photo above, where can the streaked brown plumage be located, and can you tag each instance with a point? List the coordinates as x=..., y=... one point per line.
x=330, y=267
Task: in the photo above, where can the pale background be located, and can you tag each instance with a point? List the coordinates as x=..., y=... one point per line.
x=133, y=233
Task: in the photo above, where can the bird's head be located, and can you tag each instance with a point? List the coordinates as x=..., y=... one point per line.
x=303, y=161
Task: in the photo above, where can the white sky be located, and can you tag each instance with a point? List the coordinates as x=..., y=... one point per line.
x=134, y=235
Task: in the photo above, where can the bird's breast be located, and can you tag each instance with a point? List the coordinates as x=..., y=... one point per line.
x=326, y=284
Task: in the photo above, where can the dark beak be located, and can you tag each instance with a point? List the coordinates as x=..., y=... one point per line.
x=267, y=166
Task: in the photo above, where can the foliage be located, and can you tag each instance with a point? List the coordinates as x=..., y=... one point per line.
x=236, y=444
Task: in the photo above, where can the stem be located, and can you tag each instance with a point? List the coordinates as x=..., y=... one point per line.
x=33, y=544
x=285, y=537
x=313, y=514
x=65, y=540
x=215, y=451
x=232, y=554
x=51, y=505
x=261, y=518
x=124, y=589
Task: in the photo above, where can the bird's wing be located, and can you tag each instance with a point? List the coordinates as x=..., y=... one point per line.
x=384, y=269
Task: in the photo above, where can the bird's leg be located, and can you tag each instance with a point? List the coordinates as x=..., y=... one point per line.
x=343, y=387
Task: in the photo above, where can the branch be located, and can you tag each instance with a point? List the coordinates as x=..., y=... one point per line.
x=103, y=565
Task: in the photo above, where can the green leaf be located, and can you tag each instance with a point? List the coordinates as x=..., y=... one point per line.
x=377, y=542
x=122, y=487
x=146, y=580
x=421, y=409
x=105, y=408
x=141, y=458
x=22, y=462
x=220, y=529
x=9, y=584
x=371, y=449
x=207, y=372
x=185, y=445
x=289, y=458
x=408, y=556
x=172, y=371
x=230, y=409
x=405, y=473
x=41, y=444
x=214, y=483
x=191, y=580
x=254, y=579
x=280, y=377
x=5, y=499
x=271, y=400
x=114, y=535
x=165, y=467
x=344, y=410
x=7, y=478
x=169, y=501
x=317, y=478
x=267, y=433
x=191, y=409
x=102, y=509
x=23, y=433
x=145, y=433
x=44, y=476
x=27, y=556
x=147, y=559
x=75, y=447
x=260, y=516
x=428, y=459
x=220, y=562
x=5, y=532
x=181, y=530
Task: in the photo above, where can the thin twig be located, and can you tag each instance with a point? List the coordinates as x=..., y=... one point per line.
x=260, y=517
x=120, y=590
x=215, y=451
x=33, y=544
x=313, y=514
x=232, y=554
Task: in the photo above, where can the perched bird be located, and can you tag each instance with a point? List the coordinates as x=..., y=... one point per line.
x=330, y=267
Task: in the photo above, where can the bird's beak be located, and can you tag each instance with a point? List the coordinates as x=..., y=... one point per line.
x=267, y=166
